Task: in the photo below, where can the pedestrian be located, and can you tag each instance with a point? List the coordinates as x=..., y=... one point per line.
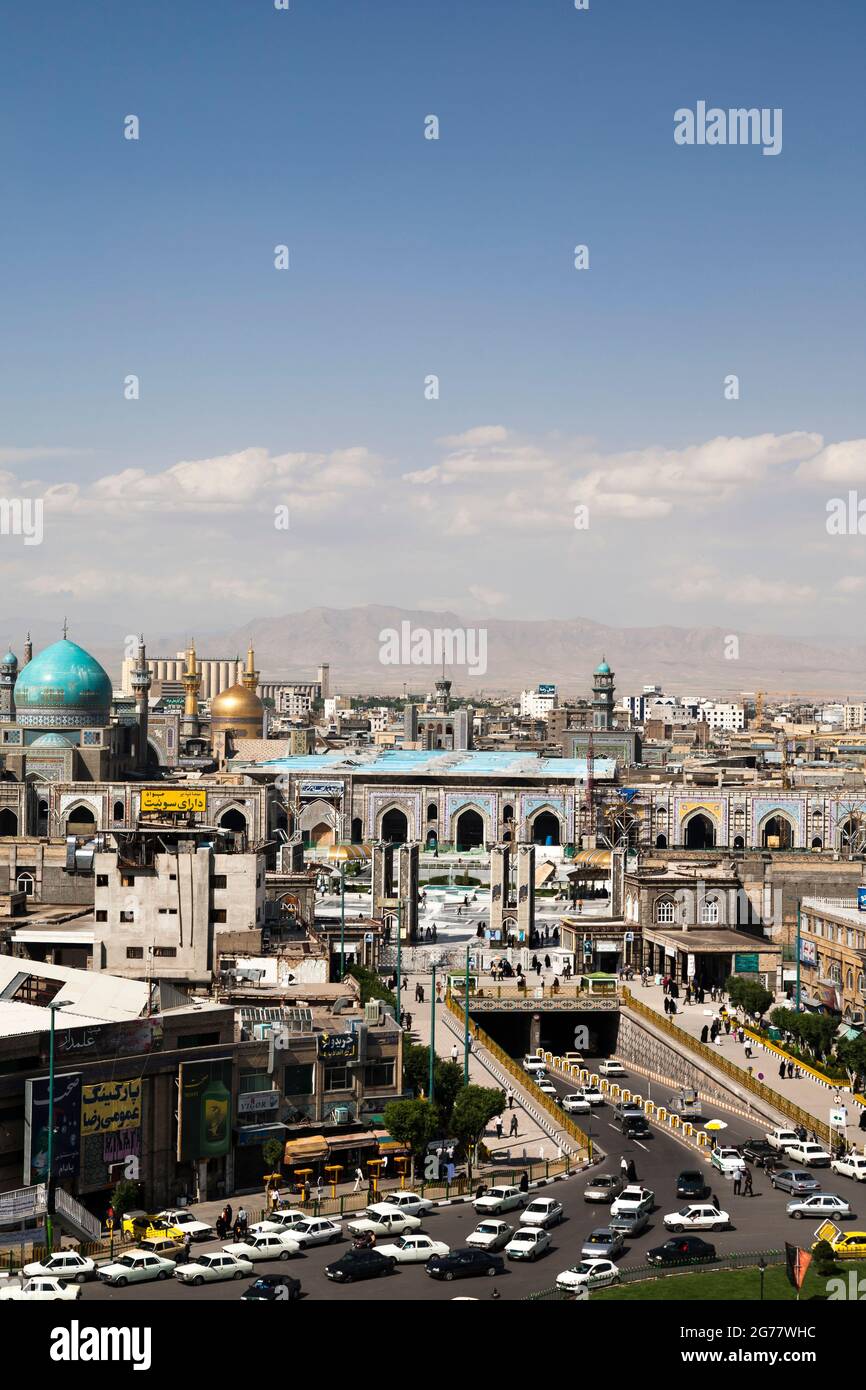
x=510, y=1094
x=318, y=1190
x=420, y=994
x=782, y=1071
x=187, y=1247
x=632, y=1171
x=305, y=1192
x=359, y=1178
x=236, y=1230
x=498, y=1126
x=384, y=1168
x=623, y=1166
x=228, y=1214
x=403, y=1018
x=220, y=1227
x=547, y=962
x=715, y=1201
x=454, y=1053
x=524, y=1182
x=747, y=1182
x=738, y=1182
x=408, y=1023
x=861, y=1123
x=512, y=1133
x=727, y=1027
x=705, y=1032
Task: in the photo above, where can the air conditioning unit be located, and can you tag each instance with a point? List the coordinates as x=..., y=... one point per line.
x=373, y=1011
x=340, y=1114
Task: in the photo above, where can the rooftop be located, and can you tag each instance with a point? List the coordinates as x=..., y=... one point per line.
x=440, y=762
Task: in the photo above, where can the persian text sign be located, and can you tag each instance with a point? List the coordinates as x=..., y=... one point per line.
x=173, y=799
x=108, y=1106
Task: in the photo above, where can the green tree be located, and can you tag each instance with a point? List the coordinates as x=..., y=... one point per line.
x=412, y=1123
x=371, y=985
x=474, y=1108
x=447, y=1077
x=749, y=995
x=124, y=1198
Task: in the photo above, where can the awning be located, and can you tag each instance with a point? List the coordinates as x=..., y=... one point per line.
x=312, y=1147
x=364, y=1139
x=257, y=1134
x=387, y=1143
x=598, y=859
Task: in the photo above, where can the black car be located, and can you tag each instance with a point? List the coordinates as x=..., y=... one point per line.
x=692, y=1183
x=758, y=1151
x=462, y=1264
x=360, y=1264
x=636, y=1127
x=681, y=1250
x=273, y=1288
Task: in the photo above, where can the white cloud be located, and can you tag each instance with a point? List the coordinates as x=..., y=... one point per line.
x=850, y=584
x=843, y=462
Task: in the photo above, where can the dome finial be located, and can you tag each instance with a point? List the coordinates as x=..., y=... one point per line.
x=65, y=630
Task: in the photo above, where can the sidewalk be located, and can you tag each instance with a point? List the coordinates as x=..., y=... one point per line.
x=809, y=1094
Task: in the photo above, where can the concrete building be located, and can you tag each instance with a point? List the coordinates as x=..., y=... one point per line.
x=538, y=703
x=833, y=957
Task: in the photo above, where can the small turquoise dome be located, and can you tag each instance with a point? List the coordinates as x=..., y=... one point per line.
x=51, y=741
x=603, y=669
x=10, y=659
x=63, y=687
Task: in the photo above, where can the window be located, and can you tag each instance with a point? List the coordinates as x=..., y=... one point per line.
x=25, y=884
x=127, y=880
x=710, y=910
x=298, y=1080
x=102, y=880
x=219, y=914
x=337, y=1077
x=127, y=916
x=135, y=953
x=664, y=910
x=101, y=915
x=255, y=1081
x=379, y=1074
x=219, y=881
x=168, y=911
x=165, y=951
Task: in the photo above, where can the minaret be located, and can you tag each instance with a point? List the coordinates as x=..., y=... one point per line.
x=28, y=650
x=8, y=677
x=602, y=697
x=191, y=686
x=141, y=683
x=250, y=677
x=443, y=692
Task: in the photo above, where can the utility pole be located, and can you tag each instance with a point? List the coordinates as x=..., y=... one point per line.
x=797, y=1003
x=49, y=1206
x=431, y=1081
x=466, y=1023
x=399, y=956
x=343, y=920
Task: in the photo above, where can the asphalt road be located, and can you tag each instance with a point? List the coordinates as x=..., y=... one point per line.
x=760, y=1223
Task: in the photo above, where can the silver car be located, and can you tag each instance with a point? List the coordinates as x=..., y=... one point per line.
x=603, y=1243
x=796, y=1180
x=819, y=1204
x=630, y=1223
x=603, y=1188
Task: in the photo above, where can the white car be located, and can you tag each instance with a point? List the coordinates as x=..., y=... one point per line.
x=319, y=1230
x=811, y=1154
x=699, y=1216
x=592, y=1094
x=490, y=1235
x=285, y=1220
x=210, y=1269
x=136, y=1267
x=589, y=1274
x=576, y=1104
x=818, y=1204
x=384, y=1221
x=528, y=1242
x=408, y=1201
x=781, y=1138
x=534, y=1064
x=543, y=1211
x=414, y=1249
x=611, y=1068
x=65, y=1264
x=499, y=1199
x=728, y=1161
x=40, y=1290
x=546, y=1085
x=183, y=1218
x=632, y=1201
x=270, y=1245
x=854, y=1166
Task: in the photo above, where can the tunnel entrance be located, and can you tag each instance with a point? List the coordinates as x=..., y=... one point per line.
x=513, y=1031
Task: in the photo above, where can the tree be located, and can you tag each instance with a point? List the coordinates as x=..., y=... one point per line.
x=447, y=1078
x=749, y=995
x=124, y=1198
x=412, y=1123
x=371, y=986
x=272, y=1152
x=474, y=1108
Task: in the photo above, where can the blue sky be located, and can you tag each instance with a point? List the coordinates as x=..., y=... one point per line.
x=411, y=257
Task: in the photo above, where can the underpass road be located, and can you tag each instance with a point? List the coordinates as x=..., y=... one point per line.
x=760, y=1224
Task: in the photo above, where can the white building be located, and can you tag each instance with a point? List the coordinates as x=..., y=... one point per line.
x=854, y=716
x=721, y=715
x=537, y=704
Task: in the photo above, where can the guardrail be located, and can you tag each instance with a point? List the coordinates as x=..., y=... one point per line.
x=582, y=1076
x=749, y=1083
x=816, y=1075
x=562, y=1122
x=652, y=1273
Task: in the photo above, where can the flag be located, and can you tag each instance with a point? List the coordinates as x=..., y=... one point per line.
x=797, y=1261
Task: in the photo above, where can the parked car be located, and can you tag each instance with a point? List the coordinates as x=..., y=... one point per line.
x=692, y=1183
x=285, y=1220
x=630, y=1223
x=187, y=1223
x=270, y=1245
x=490, y=1235
x=162, y=1246
x=360, y=1264
x=819, y=1204
x=316, y=1230
x=528, y=1242
x=611, y=1067
x=42, y=1289
x=603, y=1187
x=138, y=1225
x=211, y=1269
x=499, y=1199
x=699, y=1216
x=850, y=1245
x=136, y=1267
x=382, y=1220
x=779, y=1139
x=727, y=1161
x=589, y=1274
x=65, y=1265
x=633, y=1198
x=273, y=1288
x=809, y=1154
x=543, y=1211
x=576, y=1104
x=794, y=1180
x=757, y=1151
x=464, y=1263
x=602, y=1243
x=681, y=1250
x=414, y=1249
x=408, y=1201
x=852, y=1166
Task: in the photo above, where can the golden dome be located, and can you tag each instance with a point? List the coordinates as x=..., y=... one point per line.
x=237, y=707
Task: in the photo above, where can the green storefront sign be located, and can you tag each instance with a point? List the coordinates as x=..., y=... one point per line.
x=746, y=964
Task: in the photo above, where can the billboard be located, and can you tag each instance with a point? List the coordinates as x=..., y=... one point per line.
x=204, y=1113
x=746, y=963
x=340, y=1045
x=67, y=1127
x=547, y=690
x=173, y=799
x=108, y=1106
x=861, y=899
x=808, y=952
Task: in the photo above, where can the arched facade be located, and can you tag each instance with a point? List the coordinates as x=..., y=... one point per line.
x=545, y=827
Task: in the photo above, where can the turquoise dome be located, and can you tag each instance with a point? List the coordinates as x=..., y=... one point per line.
x=51, y=741
x=64, y=687
x=10, y=659
x=603, y=669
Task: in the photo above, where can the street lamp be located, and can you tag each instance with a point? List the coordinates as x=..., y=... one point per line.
x=49, y=1205
x=430, y=1084
x=762, y=1269
x=466, y=1022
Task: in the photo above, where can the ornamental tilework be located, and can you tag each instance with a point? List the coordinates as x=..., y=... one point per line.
x=792, y=806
